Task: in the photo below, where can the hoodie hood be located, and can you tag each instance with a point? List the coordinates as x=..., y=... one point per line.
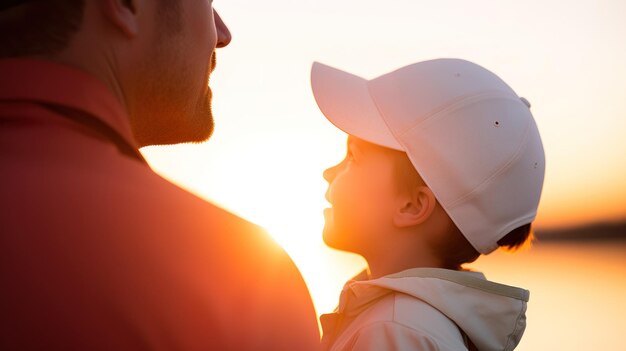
x=492, y=315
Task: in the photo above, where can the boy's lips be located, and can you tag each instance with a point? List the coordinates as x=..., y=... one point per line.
x=328, y=210
x=329, y=206
x=328, y=214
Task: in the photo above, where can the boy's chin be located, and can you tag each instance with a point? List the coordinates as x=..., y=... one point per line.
x=334, y=240
x=328, y=236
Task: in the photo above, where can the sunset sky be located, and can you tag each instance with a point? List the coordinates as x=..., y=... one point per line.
x=271, y=143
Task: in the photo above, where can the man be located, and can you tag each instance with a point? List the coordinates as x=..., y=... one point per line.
x=97, y=251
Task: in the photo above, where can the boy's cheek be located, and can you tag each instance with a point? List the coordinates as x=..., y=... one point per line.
x=344, y=221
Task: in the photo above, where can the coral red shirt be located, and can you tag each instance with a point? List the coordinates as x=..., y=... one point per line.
x=100, y=253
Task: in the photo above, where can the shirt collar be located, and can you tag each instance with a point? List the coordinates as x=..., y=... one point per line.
x=53, y=83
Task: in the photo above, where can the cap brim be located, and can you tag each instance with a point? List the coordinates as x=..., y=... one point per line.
x=346, y=102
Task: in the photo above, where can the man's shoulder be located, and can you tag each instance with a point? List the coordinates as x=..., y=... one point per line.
x=133, y=188
x=146, y=247
x=159, y=194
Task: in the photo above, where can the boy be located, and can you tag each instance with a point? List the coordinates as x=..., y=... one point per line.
x=444, y=163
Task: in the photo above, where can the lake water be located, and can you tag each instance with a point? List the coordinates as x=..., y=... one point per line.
x=577, y=293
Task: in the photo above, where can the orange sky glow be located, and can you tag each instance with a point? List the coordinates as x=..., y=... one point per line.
x=271, y=143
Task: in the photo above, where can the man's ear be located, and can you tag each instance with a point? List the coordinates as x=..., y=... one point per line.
x=123, y=15
x=415, y=208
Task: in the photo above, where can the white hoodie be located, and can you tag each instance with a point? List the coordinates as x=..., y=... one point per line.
x=427, y=309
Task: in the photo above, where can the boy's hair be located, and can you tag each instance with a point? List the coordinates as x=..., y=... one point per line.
x=456, y=249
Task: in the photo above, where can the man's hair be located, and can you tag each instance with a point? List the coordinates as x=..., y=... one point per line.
x=456, y=249
x=46, y=27
x=35, y=28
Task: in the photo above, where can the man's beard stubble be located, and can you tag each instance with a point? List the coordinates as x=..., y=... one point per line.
x=203, y=114
x=182, y=116
x=208, y=108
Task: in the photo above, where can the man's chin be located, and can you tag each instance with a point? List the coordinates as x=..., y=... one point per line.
x=197, y=130
x=202, y=123
x=200, y=134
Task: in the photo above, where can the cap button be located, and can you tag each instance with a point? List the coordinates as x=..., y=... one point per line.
x=526, y=102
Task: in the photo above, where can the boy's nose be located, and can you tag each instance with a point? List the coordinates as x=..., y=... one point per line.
x=223, y=34
x=329, y=174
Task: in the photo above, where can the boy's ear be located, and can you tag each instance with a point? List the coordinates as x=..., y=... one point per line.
x=123, y=15
x=416, y=208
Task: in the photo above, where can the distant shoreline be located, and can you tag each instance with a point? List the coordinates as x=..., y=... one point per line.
x=609, y=231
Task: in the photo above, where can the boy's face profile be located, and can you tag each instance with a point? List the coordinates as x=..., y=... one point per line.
x=363, y=196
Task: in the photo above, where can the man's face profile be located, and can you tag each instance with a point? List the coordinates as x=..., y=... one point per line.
x=156, y=56
x=174, y=99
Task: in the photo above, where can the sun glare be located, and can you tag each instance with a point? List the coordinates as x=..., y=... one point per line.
x=283, y=193
x=291, y=207
x=271, y=144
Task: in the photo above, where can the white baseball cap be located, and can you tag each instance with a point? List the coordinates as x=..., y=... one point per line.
x=467, y=133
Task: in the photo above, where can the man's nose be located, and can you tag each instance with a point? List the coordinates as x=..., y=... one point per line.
x=223, y=34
